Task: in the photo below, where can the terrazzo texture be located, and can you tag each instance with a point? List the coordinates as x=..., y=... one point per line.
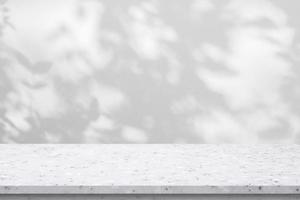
x=149, y=169
x=149, y=197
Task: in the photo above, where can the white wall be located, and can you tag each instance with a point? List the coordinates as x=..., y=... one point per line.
x=168, y=71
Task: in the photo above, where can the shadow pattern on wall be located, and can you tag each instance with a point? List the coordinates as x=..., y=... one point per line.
x=147, y=71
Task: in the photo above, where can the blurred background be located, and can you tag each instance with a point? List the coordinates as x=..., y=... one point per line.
x=149, y=71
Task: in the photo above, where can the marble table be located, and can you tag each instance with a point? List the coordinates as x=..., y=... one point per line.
x=149, y=171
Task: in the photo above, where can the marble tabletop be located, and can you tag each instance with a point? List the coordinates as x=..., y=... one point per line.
x=149, y=169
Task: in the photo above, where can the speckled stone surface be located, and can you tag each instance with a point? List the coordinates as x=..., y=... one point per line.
x=149, y=169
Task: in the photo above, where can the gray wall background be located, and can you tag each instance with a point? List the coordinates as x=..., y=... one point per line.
x=149, y=71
